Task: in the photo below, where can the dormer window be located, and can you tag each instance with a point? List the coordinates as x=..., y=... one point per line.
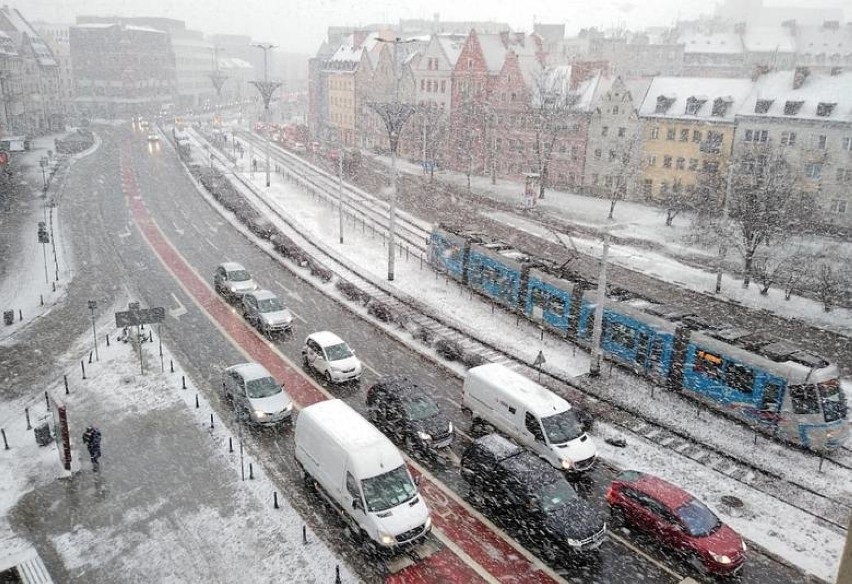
x=762, y=105
x=791, y=108
x=721, y=105
x=824, y=109
x=664, y=102
x=693, y=105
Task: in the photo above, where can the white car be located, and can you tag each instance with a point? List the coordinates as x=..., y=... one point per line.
x=331, y=357
x=266, y=312
x=232, y=280
x=255, y=393
x=153, y=137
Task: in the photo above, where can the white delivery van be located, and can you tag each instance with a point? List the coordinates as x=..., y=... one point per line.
x=361, y=474
x=530, y=414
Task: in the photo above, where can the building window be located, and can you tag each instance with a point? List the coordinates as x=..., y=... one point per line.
x=847, y=143
x=693, y=164
x=667, y=161
x=844, y=175
x=696, y=135
x=670, y=134
x=684, y=135
x=713, y=144
x=598, y=154
x=612, y=155
x=443, y=86
x=655, y=135
x=788, y=138
x=693, y=104
x=681, y=163
x=813, y=170
x=595, y=179
x=647, y=188
x=791, y=108
x=839, y=206
x=762, y=106
x=652, y=160
x=604, y=130
x=824, y=109
x=821, y=142
x=615, y=109
x=608, y=180
x=422, y=85
x=622, y=132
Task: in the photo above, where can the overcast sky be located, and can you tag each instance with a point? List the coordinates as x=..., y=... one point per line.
x=300, y=25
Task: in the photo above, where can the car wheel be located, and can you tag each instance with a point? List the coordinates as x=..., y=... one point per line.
x=697, y=563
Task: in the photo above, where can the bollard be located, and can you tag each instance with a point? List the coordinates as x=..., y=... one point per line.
x=337, y=574
x=47, y=400
x=230, y=444
x=107, y=339
x=274, y=493
x=54, y=286
x=83, y=367
x=541, y=338
x=5, y=444
x=196, y=401
x=755, y=437
x=821, y=459
x=41, y=299
x=304, y=534
x=65, y=378
x=20, y=315
x=211, y=421
x=90, y=357
x=251, y=472
x=171, y=366
x=27, y=412
x=183, y=383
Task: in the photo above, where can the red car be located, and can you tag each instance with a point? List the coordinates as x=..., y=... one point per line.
x=680, y=521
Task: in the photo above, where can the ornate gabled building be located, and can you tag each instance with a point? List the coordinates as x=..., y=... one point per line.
x=29, y=71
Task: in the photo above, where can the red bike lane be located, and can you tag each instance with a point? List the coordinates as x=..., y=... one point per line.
x=490, y=552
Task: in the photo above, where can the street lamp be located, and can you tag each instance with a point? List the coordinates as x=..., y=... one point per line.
x=93, y=305
x=266, y=89
x=595, y=366
x=394, y=114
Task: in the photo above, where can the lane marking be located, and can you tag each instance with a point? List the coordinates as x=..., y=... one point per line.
x=294, y=295
x=370, y=368
x=176, y=313
x=296, y=316
x=211, y=244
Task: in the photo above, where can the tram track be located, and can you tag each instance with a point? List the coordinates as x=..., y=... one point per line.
x=414, y=316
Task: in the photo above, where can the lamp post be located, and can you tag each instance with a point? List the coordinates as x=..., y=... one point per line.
x=266, y=89
x=595, y=366
x=93, y=305
x=340, y=187
x=394, y=114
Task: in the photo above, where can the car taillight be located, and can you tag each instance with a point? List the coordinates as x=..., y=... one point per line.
x=610, y=493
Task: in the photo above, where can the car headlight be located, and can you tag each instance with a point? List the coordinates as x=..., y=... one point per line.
x=428, y=525
x=573, y=542
x=567, y=464
x=259, y=414
x=424, y=436
x=745, y=547
x=386, y=539
x=720, y=558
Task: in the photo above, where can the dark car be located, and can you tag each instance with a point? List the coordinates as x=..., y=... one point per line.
x=401, y=408
x=532, y=495
x=678, y=520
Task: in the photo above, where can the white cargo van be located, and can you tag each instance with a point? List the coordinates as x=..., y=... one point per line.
x=530, y=414
x=361, y=474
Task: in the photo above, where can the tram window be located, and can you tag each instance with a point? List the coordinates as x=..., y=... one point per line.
x=804, y=399
x=771, y=393
x=623, y=335
x=739, y=377
x=539, y=297
x=557, y=306
x=656, y=354
x=708, y=364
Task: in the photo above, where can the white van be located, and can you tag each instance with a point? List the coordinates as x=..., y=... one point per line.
x=361, y=474
x=530, y=414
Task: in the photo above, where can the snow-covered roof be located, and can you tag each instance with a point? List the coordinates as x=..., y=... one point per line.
x=775, y=90
x=676, y=92
x=233, y=63
x=95, y=25
x=766, y=40
x=717, y=43
x=347, y=57
x=452, y=45
x=143, y=29
x=40, y=50
x=637, y=87
x=495, y=46
x=817, y=40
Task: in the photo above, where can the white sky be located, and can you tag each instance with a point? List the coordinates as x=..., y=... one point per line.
x=300, y=25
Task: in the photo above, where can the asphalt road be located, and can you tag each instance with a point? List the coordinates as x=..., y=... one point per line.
x=113, y=257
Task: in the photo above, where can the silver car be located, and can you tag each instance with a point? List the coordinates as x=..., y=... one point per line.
x=232, y=280
x=266, y=312
x=255, y=394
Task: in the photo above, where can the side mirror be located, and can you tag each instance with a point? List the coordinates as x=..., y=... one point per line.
x=417, y=481
x=356, y=504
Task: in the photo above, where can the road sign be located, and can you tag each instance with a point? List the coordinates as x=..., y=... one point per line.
x=140, y=316
x=540, y=360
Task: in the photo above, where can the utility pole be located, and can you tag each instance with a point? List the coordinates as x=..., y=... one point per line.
x=723, y=244
x=394, y=114
x=266, y=89
x=340, y=188
x=595, y=367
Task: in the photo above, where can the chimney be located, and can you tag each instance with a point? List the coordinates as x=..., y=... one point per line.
x=760, y=70
x=799, y=76
x=835, y=71
x=504, y=38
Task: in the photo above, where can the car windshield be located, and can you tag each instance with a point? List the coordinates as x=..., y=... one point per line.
x=338, y=352
x=698, y=519
x=238, y=276
x=270, y=305
x=562, y=427
x=262, y=387
x=833, y=400
x=421, y=408
x=555, y=494
x=388, y=490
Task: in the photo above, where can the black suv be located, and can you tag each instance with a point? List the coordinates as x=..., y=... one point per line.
x=400, y=407
x=532, y=495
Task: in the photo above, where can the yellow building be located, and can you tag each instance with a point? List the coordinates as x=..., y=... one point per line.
x=688, y=132
x=341, y=75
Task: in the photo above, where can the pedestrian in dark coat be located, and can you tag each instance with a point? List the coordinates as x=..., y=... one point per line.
x=92, y=440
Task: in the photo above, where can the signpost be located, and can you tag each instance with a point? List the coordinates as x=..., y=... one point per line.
x=44, y=238
x=135, y=317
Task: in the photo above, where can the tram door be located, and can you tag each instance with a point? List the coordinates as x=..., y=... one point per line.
x=641, y=349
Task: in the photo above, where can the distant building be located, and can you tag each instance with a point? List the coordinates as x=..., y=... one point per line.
x=712, y=54
x=636, y=55
x=56, y=37
x=29, y=79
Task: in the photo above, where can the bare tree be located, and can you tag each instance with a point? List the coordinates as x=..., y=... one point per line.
x=431, y=125
x=626, y=171
x=830, y=282
x=551, y=107
x=675, y=200
x=468, y=134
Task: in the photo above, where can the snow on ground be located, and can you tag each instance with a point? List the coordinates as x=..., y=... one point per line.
x=767, y=522
x=215, y=539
